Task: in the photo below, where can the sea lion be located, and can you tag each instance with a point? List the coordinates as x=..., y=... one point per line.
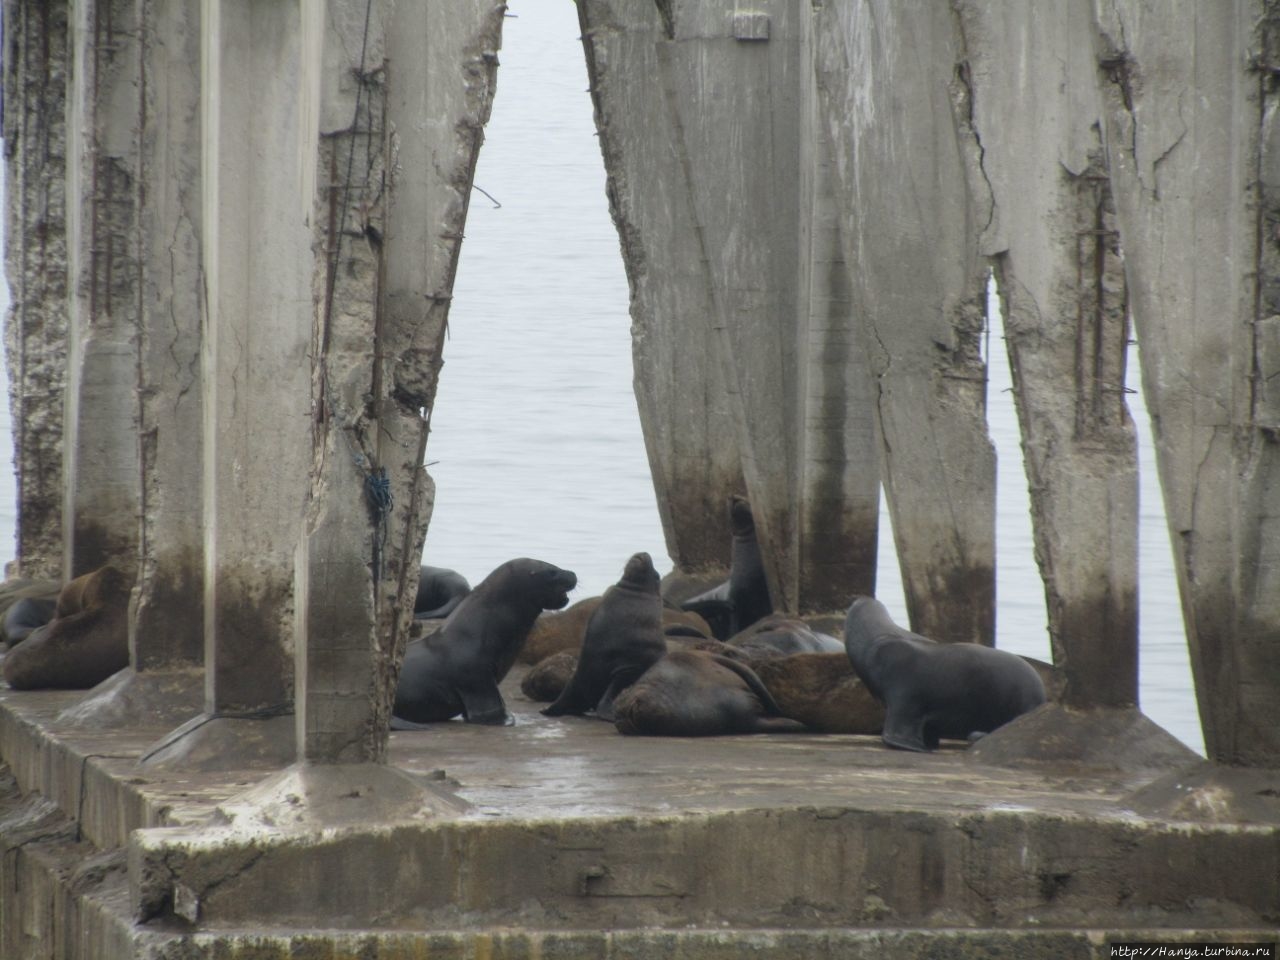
x=25, y=615
x=440, y=590
x=781, y=637
x=822, y=692
x=623, y=639
x=695, y=694
x=457, y=669
x=744, y=597
x=547, y=679
x=564, y=630
x=86, y=641
x=559, y=631
x=933, y=690
x=14, y=591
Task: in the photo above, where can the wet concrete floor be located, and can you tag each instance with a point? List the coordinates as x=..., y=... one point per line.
x=544, y=767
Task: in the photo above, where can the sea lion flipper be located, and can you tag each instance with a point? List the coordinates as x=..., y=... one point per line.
x=779, y=725
x=904, y=729
x=399, y=723
x=621, y=678
x=753, y=681
x=484, y=704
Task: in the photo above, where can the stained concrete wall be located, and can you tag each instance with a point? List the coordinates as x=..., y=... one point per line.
x=1035, y=107
x=167, y=625
x=740, y=322
x=896, y=109
x=400, y=129
x=809, y=196
x=35, y=92
x=267, y=204
x=1190, y=129
x=100, y=439
x=1099, y=160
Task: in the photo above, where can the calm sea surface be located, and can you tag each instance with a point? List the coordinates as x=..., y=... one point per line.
x=536, y=446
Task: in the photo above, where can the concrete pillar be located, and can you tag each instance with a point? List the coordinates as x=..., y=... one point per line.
x=166, y=623
x=166, y=626
x=706, y=126
x=686, y=404
x=35, y=131
x=257, y=184
x=1192, y=142
x=100, y=455
x=399, y=136
x=1030, y=77
x=892, y=99
x=839, y=515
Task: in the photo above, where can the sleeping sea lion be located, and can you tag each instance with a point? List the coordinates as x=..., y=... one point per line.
x=24, y=616
x=457, y=669
x=822, y=692
x=623, y=639
x=695, y=694
x=933, y=690
x=776, y=636
x=440, y=590
x=547, y=679
x=86, y=641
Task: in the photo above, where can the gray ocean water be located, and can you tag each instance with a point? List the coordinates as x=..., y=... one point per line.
x=536, y=446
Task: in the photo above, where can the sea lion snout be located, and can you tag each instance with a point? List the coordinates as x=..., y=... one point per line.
x=556, y=587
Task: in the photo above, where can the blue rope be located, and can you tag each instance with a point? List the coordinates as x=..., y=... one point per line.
x=377, y=490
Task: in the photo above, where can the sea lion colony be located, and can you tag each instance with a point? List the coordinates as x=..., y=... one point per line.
x=718, y=663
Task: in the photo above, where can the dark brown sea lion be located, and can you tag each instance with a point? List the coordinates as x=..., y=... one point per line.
x=559, y=631
x=440, y=590
x=25, y=615
x=554, y=632
x=546, y=680
x=456, y=671
x=935, y=690
x=822, y=692
x=744, y=598
x=696, y=694
x=623, y=639
x=776, y=636
x=86, y=641
x=44, y=597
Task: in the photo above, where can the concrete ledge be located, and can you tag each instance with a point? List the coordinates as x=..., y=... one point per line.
x=724, y=944
x=575, y=841
x=796, y=868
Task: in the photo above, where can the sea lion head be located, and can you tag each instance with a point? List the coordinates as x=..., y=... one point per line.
x=544, y=582
x=640, y=574
x=740, y=519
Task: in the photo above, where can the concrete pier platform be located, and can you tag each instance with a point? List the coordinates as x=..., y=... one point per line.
x=563, y=838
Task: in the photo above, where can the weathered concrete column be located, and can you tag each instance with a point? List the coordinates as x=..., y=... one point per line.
x=840, y=488
x=1031, y=78
x=892, y=99
x=166, y=620
x=706, y=123
x=686, y=405
x=1195, y=162
x=402, y=112
x=257, y=84
x=101, y=495
x=35, y=132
